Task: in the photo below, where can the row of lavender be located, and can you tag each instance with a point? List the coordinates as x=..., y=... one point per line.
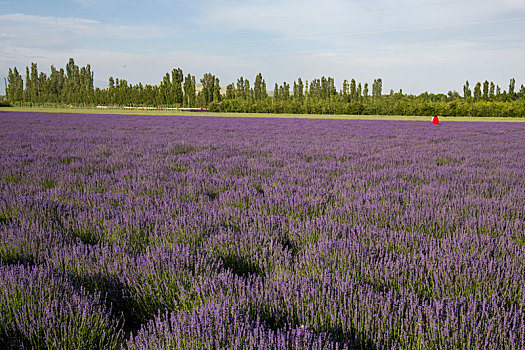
x=189, y=232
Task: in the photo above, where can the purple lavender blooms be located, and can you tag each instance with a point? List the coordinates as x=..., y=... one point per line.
x=136, y=232
x=220, y=326
x=39, y=309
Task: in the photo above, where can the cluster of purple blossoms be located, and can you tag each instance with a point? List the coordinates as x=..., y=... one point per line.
x=136, y=232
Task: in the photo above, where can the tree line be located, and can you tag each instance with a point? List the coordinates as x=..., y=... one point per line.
x=75, y=85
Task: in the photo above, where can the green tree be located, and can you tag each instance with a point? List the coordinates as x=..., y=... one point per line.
x=486, y=90
x=14, y=86
x=43, y=89
x=230, y=91
x=27, y=91
x=353, y=90
x=9, y=85
x=512, y=86
x=477, y=92
x=284, y=91
x=467, y=93
x=247, y=90
x=264, y=91
x=240, y=88
x=333, y=90
x=177, y=79
x=377, y=88
x=259, y=88
x=70, y=81
x=298, y=90
x=33, y=83
x=346, y=89
x=166, y=90
x=306, y=90
x=217, y=91
x=208, y=88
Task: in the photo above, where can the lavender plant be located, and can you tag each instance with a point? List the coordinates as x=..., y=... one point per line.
x=219, y=326
x=253, y=233
x=41, y=310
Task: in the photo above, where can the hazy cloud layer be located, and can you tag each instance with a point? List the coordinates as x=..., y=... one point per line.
x=432, y=45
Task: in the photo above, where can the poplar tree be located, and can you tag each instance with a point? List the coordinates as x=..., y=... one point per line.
x=33, y=95
x=346, y=88
x=332, y=89
x=298, y=90
x=377, y=88
x=230, y=91
x=5, y=85
x=247, y=90
x=491, y=91
x=264, y=91
x=259, y=88
x=12, y=86
x=9, y=85
x=477, y=92
x=208, y=88
x=467, y=93
x=216, y=90
x=486, y=90
x=240, y=88
x=189, y=91
x=43, y=88
x=353, y=90
x=166, y=90
x=512, y=86
x=284, y=91
x=306, y=90
x=27, y=91
x=177, y=78
x=69, y=89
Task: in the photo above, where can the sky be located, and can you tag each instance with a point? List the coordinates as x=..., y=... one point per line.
x=417, y=46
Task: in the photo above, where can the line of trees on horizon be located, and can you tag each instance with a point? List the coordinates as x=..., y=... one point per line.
x=75, y=85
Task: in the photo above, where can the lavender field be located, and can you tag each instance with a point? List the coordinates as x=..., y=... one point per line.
x=153, y=232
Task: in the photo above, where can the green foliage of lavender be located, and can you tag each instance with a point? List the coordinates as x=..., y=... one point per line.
x=220, y=326
x=41, y=310
x=191, y=232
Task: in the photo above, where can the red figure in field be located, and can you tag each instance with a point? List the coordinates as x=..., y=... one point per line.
x=435, y=120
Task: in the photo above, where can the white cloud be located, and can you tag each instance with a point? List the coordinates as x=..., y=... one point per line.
x=45, y=31
x=512, y=4
x=287, y=17
x=70, y=23
x=327, y=20
x=87, y=3
x=432, y=45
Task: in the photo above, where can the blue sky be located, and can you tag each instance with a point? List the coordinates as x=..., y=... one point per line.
x=425, y=45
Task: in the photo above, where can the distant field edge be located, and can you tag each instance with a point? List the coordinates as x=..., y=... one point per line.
x=251, y=115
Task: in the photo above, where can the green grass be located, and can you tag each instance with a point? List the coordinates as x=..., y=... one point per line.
x=253, y=115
